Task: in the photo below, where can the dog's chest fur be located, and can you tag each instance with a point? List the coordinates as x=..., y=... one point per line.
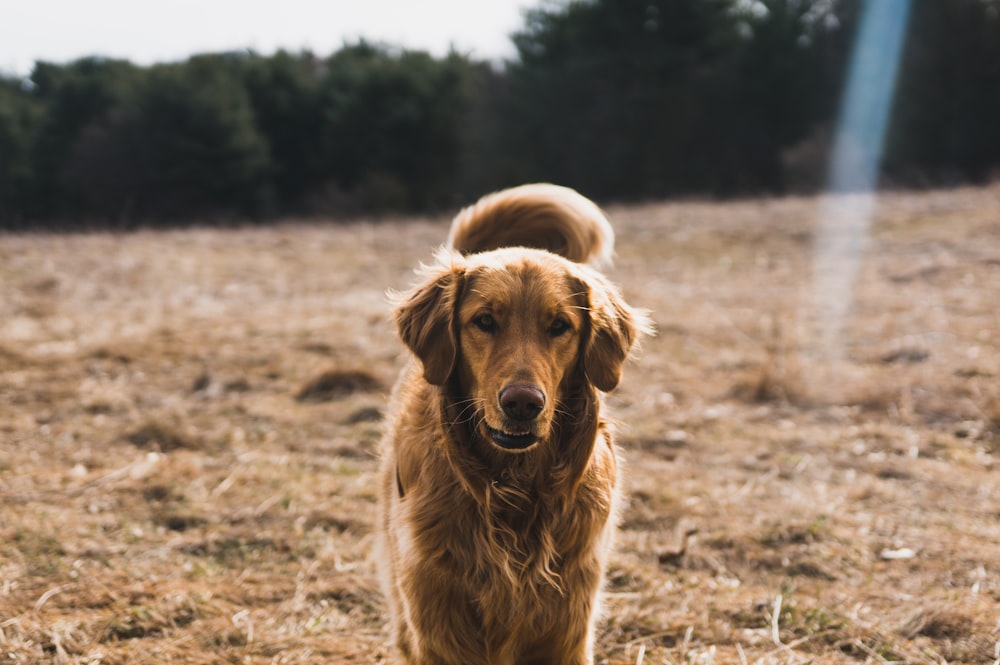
x=525, y=545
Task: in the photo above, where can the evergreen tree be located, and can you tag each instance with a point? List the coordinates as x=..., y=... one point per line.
x=18, y=124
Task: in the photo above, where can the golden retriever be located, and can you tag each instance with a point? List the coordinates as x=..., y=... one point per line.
x=498, y=485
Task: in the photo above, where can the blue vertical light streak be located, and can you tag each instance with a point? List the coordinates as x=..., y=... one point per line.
x=847, y=208
x=864, y=111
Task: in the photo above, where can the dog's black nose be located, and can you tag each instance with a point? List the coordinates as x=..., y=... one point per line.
x=522, y=402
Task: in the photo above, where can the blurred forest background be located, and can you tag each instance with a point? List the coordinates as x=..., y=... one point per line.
x=623, y=99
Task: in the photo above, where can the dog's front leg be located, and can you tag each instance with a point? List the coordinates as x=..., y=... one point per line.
x=442, y=626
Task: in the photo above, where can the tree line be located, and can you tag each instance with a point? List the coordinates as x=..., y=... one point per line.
x=622, y=99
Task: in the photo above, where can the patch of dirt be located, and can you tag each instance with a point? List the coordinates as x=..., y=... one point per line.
x=336, y=383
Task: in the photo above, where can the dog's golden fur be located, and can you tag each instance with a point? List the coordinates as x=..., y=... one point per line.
x=499, y=479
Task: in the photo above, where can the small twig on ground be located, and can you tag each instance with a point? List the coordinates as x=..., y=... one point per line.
x=775, y=614
x=48, y=594
x=869, y=651
x=686, y=643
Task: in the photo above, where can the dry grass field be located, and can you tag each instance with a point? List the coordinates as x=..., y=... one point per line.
x=188, y=424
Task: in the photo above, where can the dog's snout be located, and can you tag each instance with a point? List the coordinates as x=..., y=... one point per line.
x=522, y=402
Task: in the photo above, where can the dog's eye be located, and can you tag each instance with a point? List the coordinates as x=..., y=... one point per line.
x=485, y=322
x=559, y=327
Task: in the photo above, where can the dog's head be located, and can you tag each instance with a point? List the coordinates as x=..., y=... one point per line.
x=514, y=332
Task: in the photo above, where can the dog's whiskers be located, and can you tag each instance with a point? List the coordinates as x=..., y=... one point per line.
x=468, y=406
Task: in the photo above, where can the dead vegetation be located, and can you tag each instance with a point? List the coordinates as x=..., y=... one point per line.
x=335, y=383
x=188, y=423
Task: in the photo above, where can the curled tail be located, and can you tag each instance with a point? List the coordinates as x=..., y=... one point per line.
x=543, y=216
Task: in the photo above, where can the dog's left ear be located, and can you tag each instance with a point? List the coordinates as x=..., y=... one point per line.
x=424, y=320
x=614, y=330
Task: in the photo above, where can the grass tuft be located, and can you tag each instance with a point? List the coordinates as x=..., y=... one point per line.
x=160, y=436
x=335, y=383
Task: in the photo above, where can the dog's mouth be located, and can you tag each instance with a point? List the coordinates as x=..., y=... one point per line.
x=515, y=440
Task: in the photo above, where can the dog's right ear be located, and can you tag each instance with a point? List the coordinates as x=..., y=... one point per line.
x=425, y=322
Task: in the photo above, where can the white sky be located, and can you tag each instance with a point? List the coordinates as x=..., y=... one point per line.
x=145, y=31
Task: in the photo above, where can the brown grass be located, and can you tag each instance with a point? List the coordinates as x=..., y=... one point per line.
x=188, y=423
